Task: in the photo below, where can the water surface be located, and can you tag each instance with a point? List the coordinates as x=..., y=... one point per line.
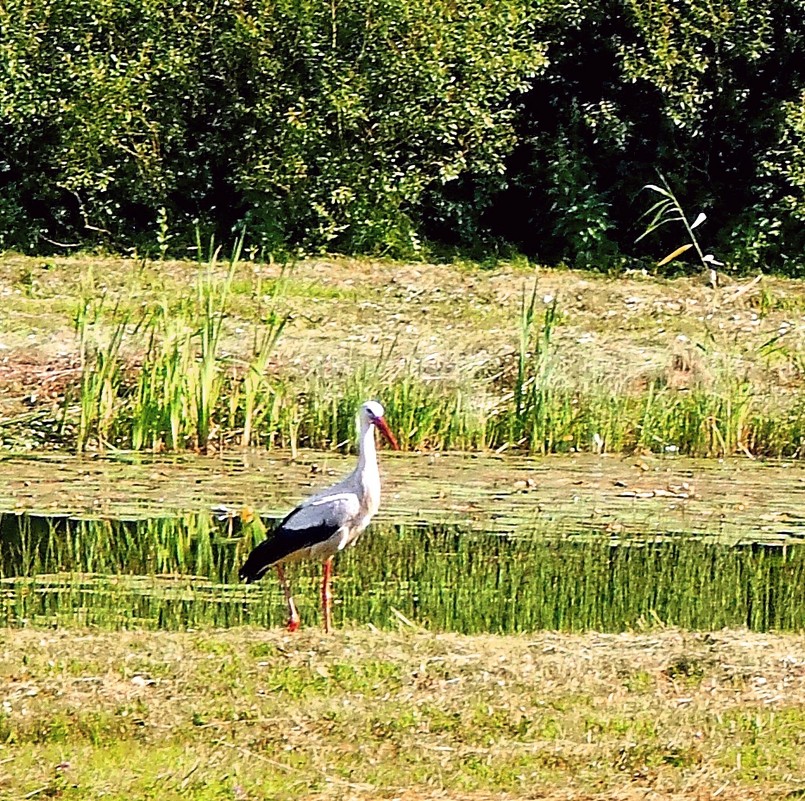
x=466, y=543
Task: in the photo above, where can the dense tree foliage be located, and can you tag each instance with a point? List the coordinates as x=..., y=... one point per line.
x=710, y=94
x=368, y=125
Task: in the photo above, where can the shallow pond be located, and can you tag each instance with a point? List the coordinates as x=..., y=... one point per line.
x=462, y=542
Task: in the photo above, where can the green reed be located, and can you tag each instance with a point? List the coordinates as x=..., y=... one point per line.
x=424, y=413
x=168, y=409
x=100, y=373
x=160, y=413
x=530, y=419
x=179, y=572
x=260, y=399
x=555, y=415
x=205, y=379
x=165, y=382
x=178, y=388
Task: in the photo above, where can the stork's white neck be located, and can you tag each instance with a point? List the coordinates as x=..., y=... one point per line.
x=367, y=453
x=366, y=476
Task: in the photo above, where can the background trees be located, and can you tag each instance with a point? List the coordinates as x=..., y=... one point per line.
x=376, y=125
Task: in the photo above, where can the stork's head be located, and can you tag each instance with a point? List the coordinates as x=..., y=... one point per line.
x=372, y=415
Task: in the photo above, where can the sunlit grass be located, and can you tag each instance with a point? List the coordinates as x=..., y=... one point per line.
x=244, y=712
x=182, y=388
x=204, y=360
x=186, y=392
x=553, y=417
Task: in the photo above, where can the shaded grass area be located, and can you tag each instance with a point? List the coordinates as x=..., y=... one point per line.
x=174, y=355
x=249, y=713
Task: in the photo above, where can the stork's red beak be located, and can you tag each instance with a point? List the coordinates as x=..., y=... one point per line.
x=386, y=431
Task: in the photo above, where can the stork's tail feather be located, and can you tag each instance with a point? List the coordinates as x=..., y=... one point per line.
x=260, y=559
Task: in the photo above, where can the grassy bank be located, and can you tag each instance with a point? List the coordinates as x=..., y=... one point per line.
x=248, y=714
x=167, y=355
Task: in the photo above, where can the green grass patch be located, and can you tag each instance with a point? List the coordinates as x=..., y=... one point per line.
x=489, y=714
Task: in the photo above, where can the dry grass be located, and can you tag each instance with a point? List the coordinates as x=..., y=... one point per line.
x=451, y=320
x=250, y=714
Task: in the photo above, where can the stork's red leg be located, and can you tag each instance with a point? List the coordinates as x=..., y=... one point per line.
x=326, y=597
x=293, y=615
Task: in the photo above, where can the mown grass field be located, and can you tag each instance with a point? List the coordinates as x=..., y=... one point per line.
x=464, y=358
x=252, y=714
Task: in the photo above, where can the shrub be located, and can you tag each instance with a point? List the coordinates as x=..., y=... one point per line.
x=317, y=124
x=368, y=125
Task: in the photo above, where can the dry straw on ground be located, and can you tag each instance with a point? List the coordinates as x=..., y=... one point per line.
x=252, y=714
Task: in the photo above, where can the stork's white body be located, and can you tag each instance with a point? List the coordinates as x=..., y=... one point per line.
x=330, y=520
x=352, y=503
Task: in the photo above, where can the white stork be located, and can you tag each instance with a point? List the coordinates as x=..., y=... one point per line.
x=328, y=521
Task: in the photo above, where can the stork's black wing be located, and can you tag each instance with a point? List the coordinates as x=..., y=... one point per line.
x=313, y=522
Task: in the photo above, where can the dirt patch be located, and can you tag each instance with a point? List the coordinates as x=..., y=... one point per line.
x=29, y=377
